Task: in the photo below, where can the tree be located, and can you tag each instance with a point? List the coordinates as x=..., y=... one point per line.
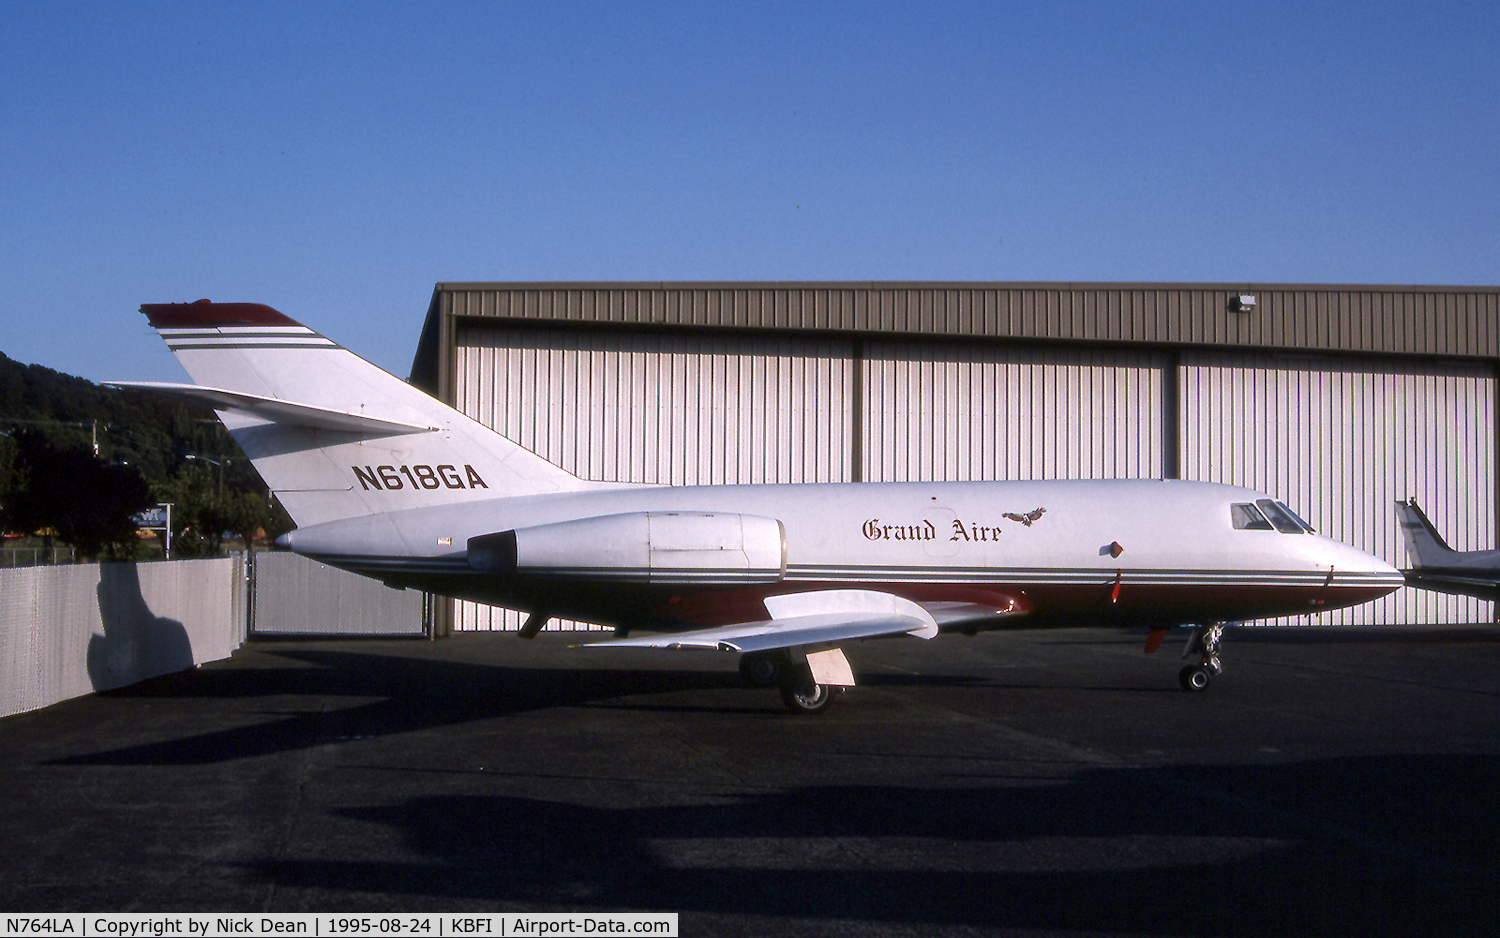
x=204, y=510
x=157, y=439
x=91, y=504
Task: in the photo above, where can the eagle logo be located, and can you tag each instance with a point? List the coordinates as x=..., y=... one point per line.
x=1027, y=518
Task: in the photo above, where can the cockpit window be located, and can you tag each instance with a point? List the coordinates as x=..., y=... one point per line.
x=1268, y=515
x=1248, y=518
x=1297, y=518
x=1285, y=520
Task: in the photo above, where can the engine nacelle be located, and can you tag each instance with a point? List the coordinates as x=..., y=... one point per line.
x=643, y=547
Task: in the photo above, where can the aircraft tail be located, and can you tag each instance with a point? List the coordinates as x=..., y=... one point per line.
x=1423, y=542
x=332, y=435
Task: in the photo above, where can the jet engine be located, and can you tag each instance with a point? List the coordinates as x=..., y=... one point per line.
x=642, y=547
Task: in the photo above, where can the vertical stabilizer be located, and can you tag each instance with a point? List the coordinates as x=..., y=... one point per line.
x=1423, y=542
x=334, y=436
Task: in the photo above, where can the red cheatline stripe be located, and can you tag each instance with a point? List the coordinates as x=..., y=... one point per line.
x=204, y=313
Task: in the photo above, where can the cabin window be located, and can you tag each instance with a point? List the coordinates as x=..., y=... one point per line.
x=1248, y=518
x=1285, y=520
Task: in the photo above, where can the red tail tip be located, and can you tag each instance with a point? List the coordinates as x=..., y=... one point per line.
x=205, y=313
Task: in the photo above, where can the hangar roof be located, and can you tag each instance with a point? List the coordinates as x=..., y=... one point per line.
x=1433, y=321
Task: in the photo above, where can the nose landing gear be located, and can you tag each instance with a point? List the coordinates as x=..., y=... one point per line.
x=1204, y=642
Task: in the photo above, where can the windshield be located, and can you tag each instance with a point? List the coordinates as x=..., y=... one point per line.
x=1267, y=514
x=1297, y=518
x=1285, y=520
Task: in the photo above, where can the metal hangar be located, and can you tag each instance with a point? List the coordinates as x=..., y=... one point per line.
x=1339, y=399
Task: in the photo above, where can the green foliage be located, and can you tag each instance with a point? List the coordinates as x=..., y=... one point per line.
x=89, y=503
x=207, y=508
x=129, y=429
x=170, y=452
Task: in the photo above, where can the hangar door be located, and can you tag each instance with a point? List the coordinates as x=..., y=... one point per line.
x=667, y=409
x=952, y=412
x=1342, y=441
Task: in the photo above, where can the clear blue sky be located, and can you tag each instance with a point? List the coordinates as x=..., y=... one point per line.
x=335, y=160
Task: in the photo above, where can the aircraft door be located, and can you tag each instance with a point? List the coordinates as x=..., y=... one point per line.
x=942, y=519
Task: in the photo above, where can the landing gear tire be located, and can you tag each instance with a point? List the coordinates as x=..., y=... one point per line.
x=1195, y=678
x=765, y=668
x=802, y=694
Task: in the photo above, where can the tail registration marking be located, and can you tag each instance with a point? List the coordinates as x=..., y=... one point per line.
x=389, y=478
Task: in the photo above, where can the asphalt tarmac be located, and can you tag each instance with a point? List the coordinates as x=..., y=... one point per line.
x=1334, y=781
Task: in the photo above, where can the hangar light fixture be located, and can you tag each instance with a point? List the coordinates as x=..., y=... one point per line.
x=1242, y=303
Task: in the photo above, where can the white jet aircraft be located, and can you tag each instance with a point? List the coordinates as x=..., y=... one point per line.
x=1438, y=567
x=385, y=481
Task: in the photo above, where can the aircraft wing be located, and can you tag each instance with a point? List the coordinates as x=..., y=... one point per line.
x=775, y=633
x=273, y=409
x=965, y=616
x=813, y=618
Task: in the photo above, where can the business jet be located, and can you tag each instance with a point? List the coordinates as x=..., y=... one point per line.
x=383, y=480
x=1438, y=567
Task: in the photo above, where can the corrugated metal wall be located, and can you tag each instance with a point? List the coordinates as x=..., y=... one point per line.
x=1340, y=441
x=1445, y=321
x=672, y=409
x=971, y=412
x=697, y=410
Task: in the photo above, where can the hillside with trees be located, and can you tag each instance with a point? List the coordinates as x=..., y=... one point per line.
x=78, y=461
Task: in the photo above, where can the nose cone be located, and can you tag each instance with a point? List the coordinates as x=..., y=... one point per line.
x=1359, y=577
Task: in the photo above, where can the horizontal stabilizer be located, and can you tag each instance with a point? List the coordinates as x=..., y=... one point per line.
x=274, y=410
x=1478, y=585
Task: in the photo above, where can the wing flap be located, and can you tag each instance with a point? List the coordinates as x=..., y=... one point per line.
x=274, y=410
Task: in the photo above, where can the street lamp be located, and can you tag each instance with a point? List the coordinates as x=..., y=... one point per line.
x=214, y=462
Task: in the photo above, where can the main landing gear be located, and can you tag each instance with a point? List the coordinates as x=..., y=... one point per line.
x=801, y=692
x=793, y=674
x=1204, y=642
x=765, y=668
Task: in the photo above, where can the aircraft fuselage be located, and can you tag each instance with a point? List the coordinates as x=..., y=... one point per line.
x=1122, y=551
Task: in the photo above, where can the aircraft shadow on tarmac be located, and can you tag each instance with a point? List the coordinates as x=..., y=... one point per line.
x=1348, y=846
x=1366, y=635
x=1370, y=845
x=415, y=693
x=1307, y=635
x=411, y=694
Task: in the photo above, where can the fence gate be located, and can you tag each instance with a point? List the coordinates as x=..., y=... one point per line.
x=292, y=595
